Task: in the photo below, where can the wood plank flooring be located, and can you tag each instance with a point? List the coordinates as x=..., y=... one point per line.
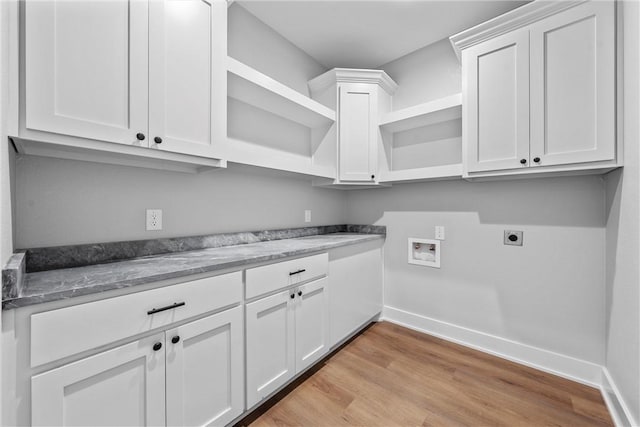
x=393, y=376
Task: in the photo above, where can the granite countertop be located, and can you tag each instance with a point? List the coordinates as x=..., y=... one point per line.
x=44, y=286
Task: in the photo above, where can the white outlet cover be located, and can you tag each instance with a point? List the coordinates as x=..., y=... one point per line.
x=439, y=232
x=307, y=215
x=154, y=219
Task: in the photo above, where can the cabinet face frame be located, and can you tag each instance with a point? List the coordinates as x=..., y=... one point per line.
x=473, y=141
x=600, y=16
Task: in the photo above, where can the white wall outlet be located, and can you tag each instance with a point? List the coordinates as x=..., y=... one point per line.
x=154, y=219
x=307, y=215
x=439, y=232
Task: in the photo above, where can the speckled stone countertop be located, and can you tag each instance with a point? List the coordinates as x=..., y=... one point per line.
x=44, y=286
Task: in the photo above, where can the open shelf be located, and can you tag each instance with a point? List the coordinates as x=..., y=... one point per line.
x=431, y=173
x=423, y=143
x=440, y=110
x=254, y=88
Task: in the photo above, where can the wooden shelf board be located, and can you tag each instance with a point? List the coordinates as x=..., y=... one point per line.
x=440, y=110
x=252, y=87
x=424, y=174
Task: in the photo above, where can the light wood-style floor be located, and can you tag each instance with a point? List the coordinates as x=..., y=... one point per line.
x=393, y=376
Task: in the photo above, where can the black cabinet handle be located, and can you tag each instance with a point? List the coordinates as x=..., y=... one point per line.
x=373, y=177
x=140, y=136
x=536, y=159
x=297, y=272
x=175, y=339
x=523, y=161
x=157, y=140
x=292, y=296
x=169, y=307
x=157, y=346
x=299, y=293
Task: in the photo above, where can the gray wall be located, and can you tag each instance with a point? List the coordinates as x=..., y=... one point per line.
x=66, y=202
x=254, y=43
x=548, y=293
x=623, y=233
x=429, y=73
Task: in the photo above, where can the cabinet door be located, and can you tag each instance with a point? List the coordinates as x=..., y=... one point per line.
x=356, y=287
x=187, y=54
x=357, y=136
x=573, y=86
x=312, y=323
x=270, y=345
x=86, y=68
x=205, y=370
x=496, y=104
x=120, y=387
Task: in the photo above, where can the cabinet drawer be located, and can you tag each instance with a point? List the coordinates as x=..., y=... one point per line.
x=268, y=278
x=60, y=333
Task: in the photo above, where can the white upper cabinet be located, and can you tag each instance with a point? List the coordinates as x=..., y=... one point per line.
x=86, y=69
x=186, y=65
x=361, y=96
x=146, y=74
x=357, y=123
x=539, y=90
x=573, y=86
x=496, y=125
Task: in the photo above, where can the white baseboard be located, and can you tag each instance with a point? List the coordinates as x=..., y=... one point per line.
x=558, y=364
x=617, y=408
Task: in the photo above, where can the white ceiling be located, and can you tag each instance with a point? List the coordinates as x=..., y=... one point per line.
x=370, y=33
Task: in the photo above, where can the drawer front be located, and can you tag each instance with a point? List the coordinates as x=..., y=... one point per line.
x=268, y=278
x=67, y=331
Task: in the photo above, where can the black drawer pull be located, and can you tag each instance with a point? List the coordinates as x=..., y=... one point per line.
x=169, y=307
x=297, y=272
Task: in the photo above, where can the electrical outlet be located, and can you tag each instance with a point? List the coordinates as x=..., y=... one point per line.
x=154, y=219
x=307, y=215
x=439, y=232
x=513, y=238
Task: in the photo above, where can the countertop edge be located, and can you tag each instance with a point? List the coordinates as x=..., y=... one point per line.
x=22, y=301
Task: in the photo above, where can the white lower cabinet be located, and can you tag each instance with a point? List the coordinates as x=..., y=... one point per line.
x=192, y=373
x=119, y=387
x=205, y=371
x=311, y=323
x=356, y=288
x=286, y=333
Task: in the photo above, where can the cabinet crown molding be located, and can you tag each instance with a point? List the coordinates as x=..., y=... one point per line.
x=509, y=21
x=351, y=75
